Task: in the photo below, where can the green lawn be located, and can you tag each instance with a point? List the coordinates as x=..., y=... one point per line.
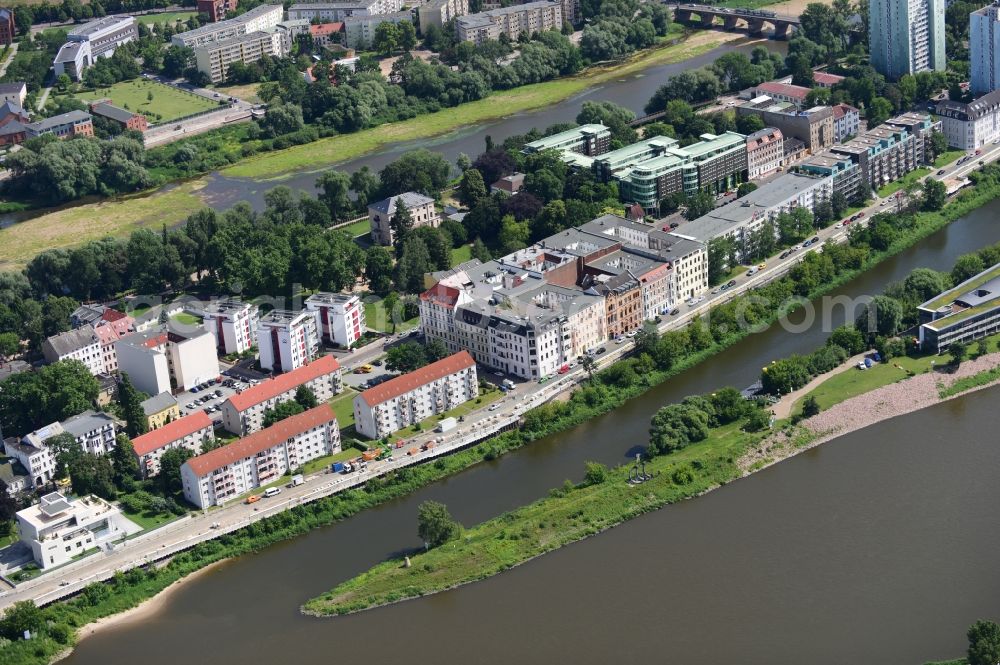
x=165, y=17
x=149, y=520
x=322, y=462
x=168, y=103
x=376, y=318
x=946, y=158
x=897, y=185
x=187, y=319
x=343, y=407
x=359, y=228
x=461, y=254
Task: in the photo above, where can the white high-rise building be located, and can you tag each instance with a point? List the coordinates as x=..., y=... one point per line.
x=906, y=36
x=341, y=316
x=234, y=324
x=287, y=340
x=984, y=49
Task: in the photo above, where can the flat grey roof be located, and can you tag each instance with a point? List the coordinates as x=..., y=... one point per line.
x=158, y=403
x=87, y=421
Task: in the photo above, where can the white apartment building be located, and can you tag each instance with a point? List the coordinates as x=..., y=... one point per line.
x=971, y=126
x=96, y=39
x=765, y=152
x=95, y=431
x=260, y=458
x=263, y=18
x=243, y=413
x=234, y=324
x=380, y=213
x=359, y=31
x=80, y=344
x=159, y=361
x=31, y=451
x=58, y=528
x=439, y=12
x=906, y=36
x=189, y=432
x=512, y=21
x=984, y=49
x=341, y=317
x=339, y=11
x=287, y=340
x=416, y=396
x=846, y=122
x=215, y=58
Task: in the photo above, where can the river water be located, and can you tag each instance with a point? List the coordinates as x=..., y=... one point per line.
x=878, y=547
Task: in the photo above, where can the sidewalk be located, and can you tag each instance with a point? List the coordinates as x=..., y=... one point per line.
x=783, y=407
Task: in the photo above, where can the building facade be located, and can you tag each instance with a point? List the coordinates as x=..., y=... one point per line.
x=906, y=36
x=814, y=126
x=96, y=39
x=846, y=122
x=214, y=58
x=81, y=344
x=359, y=30
x=58, y=529
x=439, y=12
x=244, y=413
x=263, y=18
x=189, y=432
x=126, y=119
x=341, y=317
x=765, y=152
x=234, y=324
x=421, y=209
x=160, y=409
x=416, y=396
x=965, y=313
x=8, y=29
x=63, y=126
x=984, y=50
x=512, y=21
x=216, y=10
x=971, y=126
x=339, y=11
x=590, y=140
x=260, y=458
x=287, y=340
x=94, y=431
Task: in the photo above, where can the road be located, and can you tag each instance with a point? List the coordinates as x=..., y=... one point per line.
x=477, y=425
x=237, y=111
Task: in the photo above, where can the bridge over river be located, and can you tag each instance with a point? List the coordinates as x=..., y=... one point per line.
x=751, y=20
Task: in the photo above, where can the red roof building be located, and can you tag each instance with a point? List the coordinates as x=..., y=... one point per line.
x=323, y=33
x=826, y=80
x=188, y=432
x=783, y=92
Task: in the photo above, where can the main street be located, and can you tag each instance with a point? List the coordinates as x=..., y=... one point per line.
x=186, y=532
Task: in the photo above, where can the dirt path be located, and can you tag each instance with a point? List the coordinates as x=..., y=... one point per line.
x=783, y=407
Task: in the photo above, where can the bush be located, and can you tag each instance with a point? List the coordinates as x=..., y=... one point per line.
x=596, y=473
x=758, y=421
x=810, y=407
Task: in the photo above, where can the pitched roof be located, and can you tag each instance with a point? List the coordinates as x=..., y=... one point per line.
x=785, y=89
x=71, y=340
x=16, y=86
x=158, y=403
x=441, y=294
x=840, y=110
x=284, y=382
x=112, y=111
x=88, y=421
x=324, y=29
x=177, y=429
x=407, y=382
x=410, y=200
x=825, y=78
x=262, y=440
x=47, y=124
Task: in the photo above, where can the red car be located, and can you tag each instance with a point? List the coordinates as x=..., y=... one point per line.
x=860, y=215
x=564, y=369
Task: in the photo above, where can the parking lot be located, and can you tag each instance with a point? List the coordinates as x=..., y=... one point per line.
x=209, y=398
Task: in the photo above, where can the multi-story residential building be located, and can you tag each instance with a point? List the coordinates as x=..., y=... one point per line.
x=189, y=432
x=126, y=119
x=31, y=451
x=964, y=313
x=741, y=218
x=416, y=396
x=512, y=21
x=95, y=431
x=846, y=122
x=380, y=213
x=216, y=9
x=324, y=34
x=234, y=324
x=590, y=140
x=970, y=126
x=813, y=126
x=439, y=12
x=111, y=327
x=765, y=152
x=17, y=91
x=63, y=126
x=8, y=29
x=339, y=11
x=160, y=409
x=244, y=413
x=780, y=92
x=258, y=459
x=58, y=529
x=359, y=30
x=96, y=39
x=906, y=36
x=652, y=169
x=263, y=18
x=846, y=173
x=891, y=150
x=341, y=317
x=984, y=49
x=287, y=340
x=214, y=58
x=81, y=344
x=158, y=360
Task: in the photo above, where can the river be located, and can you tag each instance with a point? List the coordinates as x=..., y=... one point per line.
x=874, y=548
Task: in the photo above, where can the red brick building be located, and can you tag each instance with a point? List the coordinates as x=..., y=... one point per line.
x=123, y=117
x=7, y=28
x=216, y=9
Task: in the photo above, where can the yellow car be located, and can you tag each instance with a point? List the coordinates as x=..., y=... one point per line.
x=761, y=266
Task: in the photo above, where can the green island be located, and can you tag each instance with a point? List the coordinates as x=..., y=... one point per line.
x=627, y=379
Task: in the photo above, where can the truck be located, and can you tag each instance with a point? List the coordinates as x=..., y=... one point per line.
x=337, y=467
x=297, y=480
x=369, y=455
x=447, y=424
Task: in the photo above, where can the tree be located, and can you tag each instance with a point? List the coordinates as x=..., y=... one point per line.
x=305, y=397
x=958, y=351
x=93, y=474
x=405, y=358
x=282, y=411
x=378, y=269
x=435, y=525
x=365, y=185
x=414, y=263
x=982, y=347
x=839, y=203
x=170, y=469
x=757, y=421
x=53, y=393
x=386, y=38
x=66, y=452
x=676, y=426
x=22, y=616
x=125, y=463
x=595, y=474
x=984, y=643
x=407, y=35
x=130, y=401
x=935, y=194
x=335, y=194
x=589, y=365
x=480, y=251
x=848, y=338
x=881, y=316
x=783, y=376
x=744, y=189
x=400, y=223
x=749, y=123
x=416, y=171
x=966, y=266
x=699, y=205
x=810, y=407
x=472, y=189
x=10, y=344
x=176, y=59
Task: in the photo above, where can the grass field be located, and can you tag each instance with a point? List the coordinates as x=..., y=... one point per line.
x=75, y=225
x=186, y=319
x=167, y=104
x=377, y=319
x=356, y=229
x=165, y=17
x=342, y=148
x=946, y=158
x=343, y=407
x=461, y=254
x=912, y=176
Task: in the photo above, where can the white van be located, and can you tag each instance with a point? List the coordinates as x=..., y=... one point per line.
x=272, y=491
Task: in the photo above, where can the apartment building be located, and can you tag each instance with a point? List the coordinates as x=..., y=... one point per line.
x=439, y=12
x=590, y=140
x=891, y=150
x=325, y=34
x=380, y=213
x=765, y=152
x=846, y=122
x=214, y=58
x=216, y=10
x=416, y=396
x=906, y=36
x=111, y=327
x=813, y=126
x=58, y=528
x=81, y=344
x=741, y=218
x=189, y=432
x=95, y=431
x=15, y=92
x=8, y=29
x=341, y=317
x=339, y=11
x=36, y=458
x=234, y=324
x=126, y=119
x=263, y=18
x=63, y=126
x=971, y=126
x=846, y=173
x=260, y=458
x=512, y=21
x=965, y=313
x=96, y=39
x=780, y=92
x=984, y=49
x=244, y=412
x=287, y=340
x=157, y=361
x=359, y=29
x=160, y=409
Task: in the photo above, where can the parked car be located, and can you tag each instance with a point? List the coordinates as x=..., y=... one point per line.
x=675, y=312
x=941, y=172
x=601, y=350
